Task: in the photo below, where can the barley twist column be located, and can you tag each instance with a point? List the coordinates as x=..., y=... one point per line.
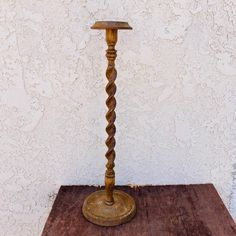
x=111, y=38
x=110, y=207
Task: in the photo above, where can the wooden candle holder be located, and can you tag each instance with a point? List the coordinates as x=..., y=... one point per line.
x=110, y=207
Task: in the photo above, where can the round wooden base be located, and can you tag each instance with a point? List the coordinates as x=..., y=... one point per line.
x=96, y=211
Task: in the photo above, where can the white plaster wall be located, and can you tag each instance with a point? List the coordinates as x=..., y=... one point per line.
x=176, y=99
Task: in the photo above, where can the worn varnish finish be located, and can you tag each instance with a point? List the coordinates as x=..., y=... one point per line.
x=109, y=207
x=111, y=39
x=116, y=25
x=181, y=210
x=111, y=28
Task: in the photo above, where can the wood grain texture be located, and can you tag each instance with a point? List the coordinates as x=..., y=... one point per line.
x=178, y=210
x=111, y=73
x=111, y=25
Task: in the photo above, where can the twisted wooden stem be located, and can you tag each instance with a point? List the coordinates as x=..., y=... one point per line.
x=111, y=39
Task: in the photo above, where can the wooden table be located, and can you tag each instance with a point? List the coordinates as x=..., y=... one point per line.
x=177, y=210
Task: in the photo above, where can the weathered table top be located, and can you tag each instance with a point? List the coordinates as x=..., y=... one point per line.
x=191, y=210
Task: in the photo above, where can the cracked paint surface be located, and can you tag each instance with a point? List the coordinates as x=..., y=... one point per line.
x=176, y=99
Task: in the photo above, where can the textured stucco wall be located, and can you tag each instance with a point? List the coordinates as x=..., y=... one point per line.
x=176, y=99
